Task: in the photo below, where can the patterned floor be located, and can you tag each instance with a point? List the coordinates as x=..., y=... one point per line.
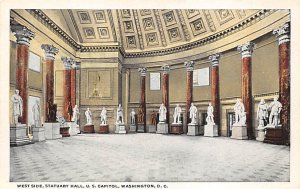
x=149, y=157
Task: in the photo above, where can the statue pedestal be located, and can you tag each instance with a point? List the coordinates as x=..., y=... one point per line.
x=103, y=129
x=239, y=132
x=38, y=134
x=132, y=128
x=162, y=128
x=201, y=130
x=141, y=128
x=193, y=129
x=88, y=129
x=151, y=128
x=18, y=136
x=64, y=131
x=120, y=128
x=74, y=128
x=260, y=133
x=274, y=135
x=211, y=130
x=176, y=128
x=52, y=131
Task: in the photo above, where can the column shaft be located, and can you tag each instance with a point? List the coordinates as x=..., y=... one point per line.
x=189, y=94
x=165, y=93
x=67, y=93
x=215, y=96
x=49, y=87
x=143, y=99
x=73, y=87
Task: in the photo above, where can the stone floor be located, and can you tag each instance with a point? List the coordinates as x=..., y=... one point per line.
x=149, y=157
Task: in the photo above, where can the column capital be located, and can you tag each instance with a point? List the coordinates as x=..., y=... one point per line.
x=189, y=65
x=282, y=33
x=165, y=69
x=75, y=65
x=22, y=33
x=50, y=51
x=214, y=59
x=68, y=62
x=142, y=71
x=246, y=49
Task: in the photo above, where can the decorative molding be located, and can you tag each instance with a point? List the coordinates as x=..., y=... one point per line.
x=282, y=33
x=183, y=25
x=198, y=26
x=160, y=28
x=174, y=34
x=169, y=18
x=50, y=51
x=68, y=62
x=148, y=23
x=103, y=32
x=209, y=20
x=165, y=69
x=152, y=39
x=138, y=27
x=224, y=15
x=84, y=17
x=99, y=16
x=246, y=49
x=113, y=29
x=89, y=32
x=22, y=33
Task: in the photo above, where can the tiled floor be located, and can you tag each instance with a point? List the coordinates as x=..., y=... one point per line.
x=149, y=157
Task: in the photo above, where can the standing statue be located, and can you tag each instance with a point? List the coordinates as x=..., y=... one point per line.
x=177, y=113
x=17, y=106
x=88, y=115
x=103, y=116
x=70, y=111
x=210, y=115
x=275, y=108
x=162, y=113
x=36, y=112
x=140, y=115
x=60, y=119
x=153, y=117
x=262, y=113
x=75, y=114
x=120, y=118
x=132, y=117
x=193, y=113
x=240, y=114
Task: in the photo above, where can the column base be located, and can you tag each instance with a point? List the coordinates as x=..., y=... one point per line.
x=88, y=129
x=176, y=128
x=103, y=129
x=141, y=128
x=132, y=128
x=239, y=132
x=162, y=128
x=52, y=131
x=274, y=135
x=18, y=136
x=38, y=134
x=211, y=130
x=64, y=131
x=151, y=128
x=193, y=129
x=120, y=128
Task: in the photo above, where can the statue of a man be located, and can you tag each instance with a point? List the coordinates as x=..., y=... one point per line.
x=262, y=113
x=275, y=108
x=193, y=113
x=88, y=115
x=60, y=118
x=162, y=113
x=120, y=114
x=103, y=116
x=153, y=118
x=210, y=115
x=140, y=115
x=17, y=106
x=75, y=114
x=36, y=112
x=239, y=111
x=132, y=117
x=177, y=113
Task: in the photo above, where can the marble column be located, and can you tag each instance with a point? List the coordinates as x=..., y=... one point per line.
x=23, y=35
x=215, y=90
x=73, y=83
x=50, y=52
x=67, y=61
x=189, y=88
x=246, y=51
x=143, y=72
x=283, y=36
x=165, y=90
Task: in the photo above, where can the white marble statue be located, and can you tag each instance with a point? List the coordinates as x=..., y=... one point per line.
x=193, y=113
x=60, y=118
x=88, y=115
x=36, y=112
x=262, y=113
x=240, y=114
x=17, y=106
x=162, y=113
x=103, y=116
x=177, y=113
x=75, y=114
x=275, y=108
x=120, y=118
x=132, y=117
x=210, y=115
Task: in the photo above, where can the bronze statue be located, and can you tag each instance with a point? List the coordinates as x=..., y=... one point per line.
x=153, y=117
x=140, y=115
x=70, y=111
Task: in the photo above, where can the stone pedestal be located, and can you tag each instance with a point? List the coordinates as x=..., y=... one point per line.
x=103, y=129
x=141, y=128
x=52, y=131
x=274, y=135
x=151, y=129
x=132, y=129
x=201, y=130
x=18, y=136
x=64, y=131
x=260, y=133
x=74, y=128
x=162, y=128
x=211, y=130
x=38, y=134
x=239, y=132
x=193, y=129
x=88, y=129
x=177, y=128
x=120, y=128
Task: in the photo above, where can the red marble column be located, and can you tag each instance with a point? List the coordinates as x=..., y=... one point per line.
x=215, y=91
x=282, y=34
x=73, y=85
x=50, y=52
x=165, y=90
x=143, y=72
x=189, y=88
x=246, y=52
x=23, y=35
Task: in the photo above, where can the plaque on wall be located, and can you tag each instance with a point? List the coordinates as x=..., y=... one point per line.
x=34, y=62
x=154, y=81
x=201, y=77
